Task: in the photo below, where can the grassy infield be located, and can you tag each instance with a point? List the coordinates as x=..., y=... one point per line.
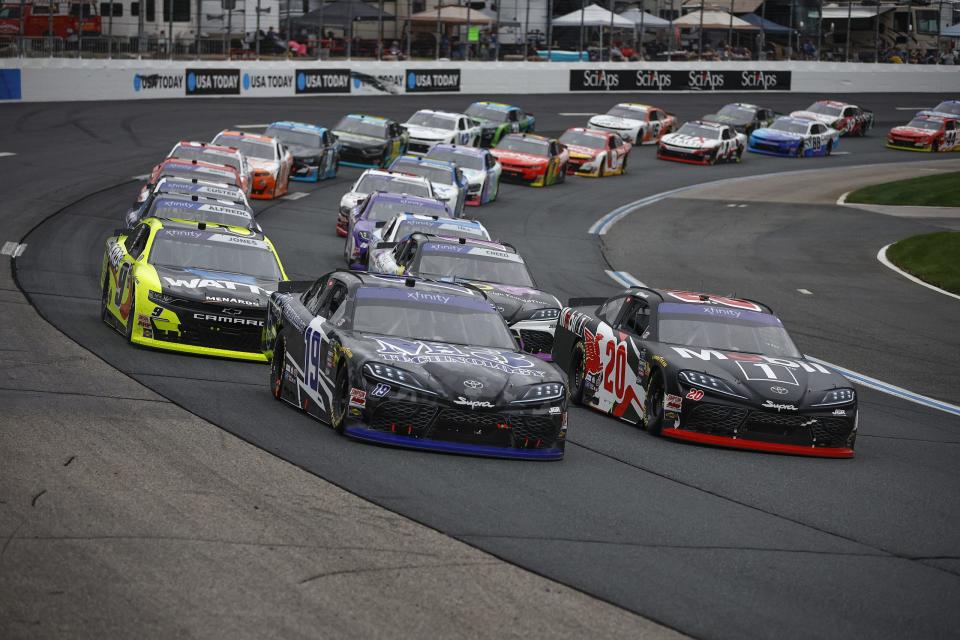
x=932, y=257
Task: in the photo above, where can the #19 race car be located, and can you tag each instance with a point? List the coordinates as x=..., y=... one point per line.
x=373, y=180
x=479, y=166
x=635, y=123
x=704, y=368
x=427, y=128
x=370, y=141
x=412, y=363
x=214, y=154
x=745, y=118
x=531, y=159
x=789, y=136
x=376, y=211
x=493, y=267
x=269, y=160
x=702, y=143
x=189, y=287
x=191, y=170
x=448, y=182
x=497, y=119
x=848, y=119
x=316, y=152
x=926, y=133
x=946, y=109
x=192, y=208
x=595, y=153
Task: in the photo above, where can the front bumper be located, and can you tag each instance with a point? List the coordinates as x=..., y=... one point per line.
x=908, y=145
x=688, y=156
x=355, y=157
x=771, y=148
x=534, y=176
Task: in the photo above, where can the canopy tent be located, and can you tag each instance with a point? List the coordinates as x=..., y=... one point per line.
x=952, y=31
x=341, y=13
x=648, y=20
x=593, y=16
x=733, y=6
x=453, y=14
x=836, y=12
x=769, y=26
x=713, y=20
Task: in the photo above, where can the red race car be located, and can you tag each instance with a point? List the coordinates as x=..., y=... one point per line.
x=190, y=169
x=848, y=119
x=926, y=133
x=532, y=159
x=594, y=153
x=214, y=154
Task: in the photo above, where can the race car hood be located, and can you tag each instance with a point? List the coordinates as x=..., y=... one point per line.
x=264, y=165
x=515, y=158
x=615, y=122
x=429, y=133
x=775, y=135
x=445, y=191
x=517, y=303
x=469, y=377
x=913, y=132
x=576, y=150
x=691, y=142
x=215, y=286
x=819, y=117
x=785, y=385
x=304, y=152
x=357, y=141
x=474, y=176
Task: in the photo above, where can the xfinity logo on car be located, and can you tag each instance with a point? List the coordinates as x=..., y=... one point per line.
x=322, y=81
x=473, y=404
x=433, y=80
x=213, y=82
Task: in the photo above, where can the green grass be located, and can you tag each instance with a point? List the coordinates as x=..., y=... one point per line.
x=932, y=257
x=941, y=190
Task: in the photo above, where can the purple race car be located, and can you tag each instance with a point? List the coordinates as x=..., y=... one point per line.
x=376, y=211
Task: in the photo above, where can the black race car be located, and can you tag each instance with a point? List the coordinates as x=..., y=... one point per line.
x=370, y=141
x=745, y=118
x=192, y=208
x=704, y=368
x=495, y=268
x=413, y=363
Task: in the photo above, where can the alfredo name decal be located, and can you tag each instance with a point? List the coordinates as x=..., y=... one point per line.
x=421, y=352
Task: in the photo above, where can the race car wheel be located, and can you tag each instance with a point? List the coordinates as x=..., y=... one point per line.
x=602, y=172
x=276, y=368
x=133, y=312
x=563, y=174
x=104, y=298
x=341, y=400
x=712, y=158
x=800, y=150
x=935, y=146
x=830, y=147
x=739, y=156
x=623, y=165
x=576, y=373
x=653, y=415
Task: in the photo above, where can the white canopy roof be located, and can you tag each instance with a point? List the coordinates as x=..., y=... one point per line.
x=713, y=20
x=593, y=16
x=837, y=12
x=649, y=20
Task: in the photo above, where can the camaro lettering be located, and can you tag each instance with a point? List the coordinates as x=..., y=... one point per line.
x=227, y=319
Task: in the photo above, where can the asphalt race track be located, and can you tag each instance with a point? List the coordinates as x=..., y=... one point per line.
x=712, y=542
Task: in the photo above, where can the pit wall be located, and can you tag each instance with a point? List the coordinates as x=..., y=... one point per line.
x=53, y=79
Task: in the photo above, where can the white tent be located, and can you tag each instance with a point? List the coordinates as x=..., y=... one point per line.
x=648, y=20
x=951, y=32
x=713, y=20
x=593, y=16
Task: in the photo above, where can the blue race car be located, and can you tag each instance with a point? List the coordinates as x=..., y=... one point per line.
x=316, y=151
x=794, y=137
x=376, y=211
x=449, y=183
x=479, y=167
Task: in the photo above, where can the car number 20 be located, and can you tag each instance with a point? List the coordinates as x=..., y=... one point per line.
x=615, y=372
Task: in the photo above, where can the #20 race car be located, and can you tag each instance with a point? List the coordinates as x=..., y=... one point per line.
x=848, y=119
x=497, y=120
x=374, y=213
x=635, y=123
x=189, y=287
x=531, y=159
x=479, y=166
x=704, y=368
x=316, y=152
x=926, y=133
x=595, y=153
x=413, y=363
x=702, y=143
x=269, y=160
x=370, y=141
x=796, y=137
x=373, y=180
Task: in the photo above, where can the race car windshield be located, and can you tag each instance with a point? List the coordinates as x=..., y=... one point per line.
x=921, y=123
x=736, y=113
x=623, y=112
x=174, y=248
x=725, y=329
x=432, y=121
x=789, y=126
x=371, y=183
x=462, y=160
x=580, y=139
x=212, y=212
x=249, y=148
x=384, y=210
x=524, y=145
x=309, y=139
x=698, y=131
x=407, y=227
x=948, y=107
x=484, y=112
x=356, y=126
x=206, y=155
x=187, y=173
x=427, y=315
x=824, y=109
x=474, y=266
x=433, y=174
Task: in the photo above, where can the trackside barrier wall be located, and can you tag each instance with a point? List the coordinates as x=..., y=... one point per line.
x=40, y=80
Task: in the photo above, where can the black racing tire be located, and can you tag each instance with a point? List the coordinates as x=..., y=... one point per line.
x=133, y=310
x=563, y=174
x=603, y=170
x=341, y=400
x=712, y=158
x=576, y=376
x=104, y=298
x=800, y=150
x=276, y=368
x=623, y=167
x=654, y=406
x=738, y=158
x=336, y=166
x=935, y=146
x=830, y=147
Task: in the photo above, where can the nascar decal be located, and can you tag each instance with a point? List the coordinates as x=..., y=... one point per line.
x=422, y=352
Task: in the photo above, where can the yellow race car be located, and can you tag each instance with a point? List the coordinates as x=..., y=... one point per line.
x=193, y=287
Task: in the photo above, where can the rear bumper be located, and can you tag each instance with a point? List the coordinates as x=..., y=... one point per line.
x=757, y=445
x=264, y=187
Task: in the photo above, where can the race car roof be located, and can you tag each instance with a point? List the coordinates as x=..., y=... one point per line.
x=212, y=232
x=436, y=221
x=176, y=184
x=590, y=132
x=706, y=124
x=403, y=198
x=363, y=116
x=834, y=103
x=460, y=149
x=498, y=105
x=695, y=297
x=636, y=106
x=297, y=126
x=528, y=136
x=255, y=137
x=443, y=114
x=430, y=162
x=201, y=209
x=796, y=120
x=207, y=146
x=468, y=242
x=405, y=282
x=392, y=175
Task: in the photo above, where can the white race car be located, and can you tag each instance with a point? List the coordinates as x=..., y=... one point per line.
x=479, y=166
x=427, y=128
x=378, y=180
x=703, y=143
x=635, y=123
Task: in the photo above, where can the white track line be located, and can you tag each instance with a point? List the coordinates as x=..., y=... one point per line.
x=913, y=108
x=575, y=113
x=296, y=195
x=250, y=126
x=6, y=154
x=624, y=278
x=882, y=257
x=13, y=249
x=805, y=292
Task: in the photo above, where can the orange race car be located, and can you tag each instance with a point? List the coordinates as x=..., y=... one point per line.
x=270, y=162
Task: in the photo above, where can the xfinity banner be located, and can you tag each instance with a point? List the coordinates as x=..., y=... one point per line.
x=323, y=81
x=672, y=80
x=213, y=82
x=433, y=80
